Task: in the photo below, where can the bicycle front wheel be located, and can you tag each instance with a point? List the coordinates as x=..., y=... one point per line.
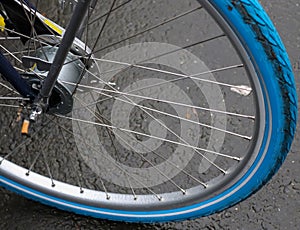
x=184, y=109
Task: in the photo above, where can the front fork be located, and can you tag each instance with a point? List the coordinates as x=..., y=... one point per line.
x=41, y=102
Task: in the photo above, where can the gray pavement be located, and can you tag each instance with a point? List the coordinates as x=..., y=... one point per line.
x=276, y=206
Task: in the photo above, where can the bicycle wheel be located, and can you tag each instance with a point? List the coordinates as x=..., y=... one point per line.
x=164, y=110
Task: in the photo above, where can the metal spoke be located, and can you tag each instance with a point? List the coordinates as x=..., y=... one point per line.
x=116, y=165
x=182, y=76
x=163, y=54
x=78, y=175
x=96, y=42
x=14, y=98
x=20, y=69
x=48, y=169
x=16, y=52
x=25, y=36
x=154, y=117
x=11, y=54
x=31, y=17
x=146, y=135
x=177, y=136
x=7, y=87
x=158, y=111
x=104, y=15
x=157, y=56
x=27, y=141
x=102, y=183
x=152, y=165
x=163, y=125
x=149, y=29
x=99, y=91
x=9, y=38
x=33, y=163
x=101, y=118
x=104, y=24
x=181, y=118
x=31, y=20
x=159, y=155
x=131, y=188
x=9, y=106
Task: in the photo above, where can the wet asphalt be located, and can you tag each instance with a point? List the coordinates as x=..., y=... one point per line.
x=275, y=206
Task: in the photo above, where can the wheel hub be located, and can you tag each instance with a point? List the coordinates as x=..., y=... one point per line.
x=61, y=100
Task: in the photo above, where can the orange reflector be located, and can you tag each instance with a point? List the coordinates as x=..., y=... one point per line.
x=25, y=127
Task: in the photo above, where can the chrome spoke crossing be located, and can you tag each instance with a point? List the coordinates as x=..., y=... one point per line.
x=119, y=93
x=147, y=135
x=101, y=118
